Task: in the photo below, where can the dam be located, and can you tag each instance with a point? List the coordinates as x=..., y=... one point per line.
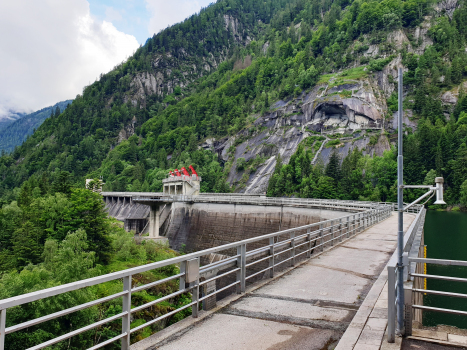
x=208, y=220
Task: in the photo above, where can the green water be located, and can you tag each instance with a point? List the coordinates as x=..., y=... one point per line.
x=446, y=238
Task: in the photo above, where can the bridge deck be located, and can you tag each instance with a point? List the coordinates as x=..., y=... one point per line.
x=308, y=308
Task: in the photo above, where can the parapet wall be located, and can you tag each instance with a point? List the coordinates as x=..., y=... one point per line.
x=205, y=225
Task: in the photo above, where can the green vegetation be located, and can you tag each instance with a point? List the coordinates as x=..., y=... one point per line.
x=333, y=143
x=61, y=234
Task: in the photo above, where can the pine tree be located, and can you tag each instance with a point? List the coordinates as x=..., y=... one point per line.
x=333, y=169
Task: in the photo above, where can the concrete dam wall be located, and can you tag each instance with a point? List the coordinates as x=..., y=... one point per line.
x=203, y=225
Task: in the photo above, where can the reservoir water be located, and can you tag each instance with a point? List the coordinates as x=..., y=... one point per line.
x=446, y=238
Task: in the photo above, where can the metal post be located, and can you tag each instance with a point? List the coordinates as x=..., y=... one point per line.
x=340, y=230
x=321, y=235
x=195, y=298
x=271, y=258
x=359, y=222
x=126, y=307
x=182, y=278
x=400, y=208
x=308, y=238
x=292, y=244
x=241, y=262
x=332, y=232
x=391, y=304
x=354, y=224
x=348, y=226
x=2, y=328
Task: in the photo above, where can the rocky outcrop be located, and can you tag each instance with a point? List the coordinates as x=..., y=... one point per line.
x=421, y=36
x=127, y=131
x=449, y=98
x=173, y=69
x=447, y=6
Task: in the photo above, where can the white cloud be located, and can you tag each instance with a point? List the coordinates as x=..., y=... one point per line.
x=165, y=13
x=51, y=49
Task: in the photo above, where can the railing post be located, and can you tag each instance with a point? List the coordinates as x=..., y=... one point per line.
x=195, y=298
x=182, y=278
x=308, y=238
x=408, y=295
x=271, y=258
x=321, y=235
x=348, y=226
x=241, y=262
x=126, y=307
x=391, y=304
x=2, y=328
x=332, y=232
x=354, y=224
x=292, y=244
x=340, y=230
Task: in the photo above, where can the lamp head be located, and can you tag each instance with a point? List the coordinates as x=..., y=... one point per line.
x=439, y=191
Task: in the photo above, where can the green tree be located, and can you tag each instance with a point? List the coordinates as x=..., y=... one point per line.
x=463, y=194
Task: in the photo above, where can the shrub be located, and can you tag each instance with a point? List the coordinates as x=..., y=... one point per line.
x=241, y=164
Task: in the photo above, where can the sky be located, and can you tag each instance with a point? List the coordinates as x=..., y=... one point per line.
x=51, y=49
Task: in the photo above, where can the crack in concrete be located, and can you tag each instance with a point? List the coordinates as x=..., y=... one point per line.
x=372, y=250
x=315, y=302
x=358, y=274
x=317, y=324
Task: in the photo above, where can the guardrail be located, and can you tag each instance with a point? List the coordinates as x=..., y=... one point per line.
x=414, y=277
x=412, y=240
x=247, y=261
x=271, y=201
x=410, y=289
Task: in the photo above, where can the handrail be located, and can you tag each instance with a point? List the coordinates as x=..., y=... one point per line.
x=409, y=237
x=282, y=247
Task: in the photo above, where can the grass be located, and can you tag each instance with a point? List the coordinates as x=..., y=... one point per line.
x=333, y=143
x=355, y=73
x=348, y=75
x=324, y=79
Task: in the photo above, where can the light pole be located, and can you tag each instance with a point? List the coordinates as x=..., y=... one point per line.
x=438, y=189
x=400, y=209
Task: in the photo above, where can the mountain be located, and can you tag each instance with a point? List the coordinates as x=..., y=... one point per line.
x=10, y=118
x=16, y=132
x=238, y=84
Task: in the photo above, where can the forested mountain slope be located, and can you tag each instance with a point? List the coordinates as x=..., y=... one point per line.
x=255, y=79
x=17, y=132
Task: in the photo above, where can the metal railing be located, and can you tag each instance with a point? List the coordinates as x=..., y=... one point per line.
x=414, y=277
x=248, y=261
x=271, y=201
x=411, y=239
x=410, y=289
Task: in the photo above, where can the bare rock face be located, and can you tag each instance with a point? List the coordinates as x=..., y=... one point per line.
x=421, y=35
x=399, y=39
x=160, y=78
x=447, y=6
x=449, y=98
x=127, y=131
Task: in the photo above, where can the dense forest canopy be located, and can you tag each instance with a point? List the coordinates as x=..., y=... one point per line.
x=216, y=73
